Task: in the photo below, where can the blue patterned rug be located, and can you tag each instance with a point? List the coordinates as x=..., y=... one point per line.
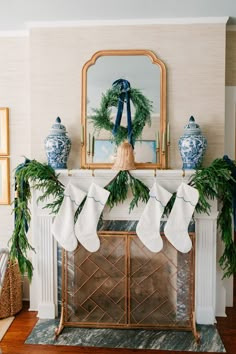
x=43, y=333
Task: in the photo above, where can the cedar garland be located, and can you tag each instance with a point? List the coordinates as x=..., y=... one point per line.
x=212, y=182
x=42, y=177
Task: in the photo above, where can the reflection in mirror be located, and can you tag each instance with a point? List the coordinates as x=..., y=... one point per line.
x=146, y=76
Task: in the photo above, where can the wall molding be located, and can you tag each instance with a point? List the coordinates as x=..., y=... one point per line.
x=120, y=22
x=12, y=34
x=129, y=22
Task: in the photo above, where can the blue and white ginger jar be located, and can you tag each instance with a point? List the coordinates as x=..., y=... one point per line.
x=192, y=145
x=57, y=146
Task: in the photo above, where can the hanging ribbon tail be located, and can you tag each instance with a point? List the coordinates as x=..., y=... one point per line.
x=119, y=113
x=124, y=87
x=129, y=121
x=233, y=172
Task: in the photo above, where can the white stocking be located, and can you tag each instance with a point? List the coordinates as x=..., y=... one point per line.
x=86, y=225
x=63, y=224
x=176, y=228
x=148, y=228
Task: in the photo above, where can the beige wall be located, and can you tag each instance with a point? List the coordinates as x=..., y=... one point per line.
x=230, y=77
x=194, y=56
x=14, y=93
x=40, y=79
x=230, y=82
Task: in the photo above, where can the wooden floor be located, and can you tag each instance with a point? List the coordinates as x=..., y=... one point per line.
x=13, y=341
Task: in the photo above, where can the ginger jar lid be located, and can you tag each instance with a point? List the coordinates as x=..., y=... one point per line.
x=58, y=128
x=192, y=128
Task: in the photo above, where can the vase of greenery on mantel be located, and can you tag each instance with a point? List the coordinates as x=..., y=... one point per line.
x=216, y=181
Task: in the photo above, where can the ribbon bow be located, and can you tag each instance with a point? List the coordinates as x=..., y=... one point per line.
x=124, y=86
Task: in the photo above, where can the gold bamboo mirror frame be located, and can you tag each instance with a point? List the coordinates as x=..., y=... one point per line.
x=145, y=72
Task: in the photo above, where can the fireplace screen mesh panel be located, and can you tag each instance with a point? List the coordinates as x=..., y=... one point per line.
x=96, y=283
x=160, y=286
x=125, y=285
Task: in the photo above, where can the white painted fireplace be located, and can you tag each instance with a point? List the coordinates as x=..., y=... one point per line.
x=210, y=294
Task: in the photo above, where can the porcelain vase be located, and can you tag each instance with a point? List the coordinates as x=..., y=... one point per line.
x=57, y=146
x=192, y=145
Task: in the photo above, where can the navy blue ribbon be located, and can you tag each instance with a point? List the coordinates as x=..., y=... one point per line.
x=233, y=172
x=124, y=86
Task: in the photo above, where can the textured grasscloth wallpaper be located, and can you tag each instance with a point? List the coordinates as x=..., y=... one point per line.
x=40, y=79
x=194, y=56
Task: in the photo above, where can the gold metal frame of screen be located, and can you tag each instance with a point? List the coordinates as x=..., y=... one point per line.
x=129, y=239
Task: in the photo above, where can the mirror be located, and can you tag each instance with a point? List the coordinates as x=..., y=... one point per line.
x=144, y=72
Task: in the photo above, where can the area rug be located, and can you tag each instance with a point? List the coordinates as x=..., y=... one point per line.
x=43, y=333
x=4, y=325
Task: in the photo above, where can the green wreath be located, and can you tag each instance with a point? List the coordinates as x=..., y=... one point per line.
x=102, y=116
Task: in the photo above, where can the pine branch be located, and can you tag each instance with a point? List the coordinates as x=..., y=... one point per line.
x=118, y=189
x=139, y=190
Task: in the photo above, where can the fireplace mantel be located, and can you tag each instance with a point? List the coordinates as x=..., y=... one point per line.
x=43, y=289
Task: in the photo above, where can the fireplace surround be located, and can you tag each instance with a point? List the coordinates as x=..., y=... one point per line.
x=210, y=298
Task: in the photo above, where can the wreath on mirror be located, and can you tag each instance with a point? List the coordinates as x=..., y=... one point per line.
x=102, y=119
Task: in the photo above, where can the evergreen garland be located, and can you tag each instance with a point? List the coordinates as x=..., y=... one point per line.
x=102, y=116
x=42, y=177
x=215, y=181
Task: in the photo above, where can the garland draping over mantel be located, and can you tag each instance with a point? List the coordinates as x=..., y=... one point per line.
x=215, y=181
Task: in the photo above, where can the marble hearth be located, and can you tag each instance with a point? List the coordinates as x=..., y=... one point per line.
x=210, y=294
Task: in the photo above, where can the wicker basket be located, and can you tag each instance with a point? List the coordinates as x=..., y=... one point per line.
x=11, y=295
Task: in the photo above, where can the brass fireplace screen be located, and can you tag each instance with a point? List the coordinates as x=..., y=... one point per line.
x=124, y=285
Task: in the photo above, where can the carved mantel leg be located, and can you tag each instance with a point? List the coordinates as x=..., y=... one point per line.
x=205, y=288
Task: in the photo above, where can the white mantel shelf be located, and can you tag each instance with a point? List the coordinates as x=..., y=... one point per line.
x=43, y=291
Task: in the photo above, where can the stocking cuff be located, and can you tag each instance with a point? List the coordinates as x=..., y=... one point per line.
x=98, y=194
x=188, y=194
x=75, y=194
x=160, y=194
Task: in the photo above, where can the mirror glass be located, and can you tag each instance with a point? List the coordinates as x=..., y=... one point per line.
x=145, y=72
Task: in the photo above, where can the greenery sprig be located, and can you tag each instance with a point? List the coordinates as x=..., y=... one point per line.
x=119, y=188
x=102, y=116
